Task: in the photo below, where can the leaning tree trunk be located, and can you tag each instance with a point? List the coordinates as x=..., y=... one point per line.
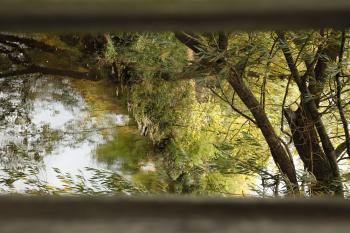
x=278, y=153
x=308, y=147
x=280, y=156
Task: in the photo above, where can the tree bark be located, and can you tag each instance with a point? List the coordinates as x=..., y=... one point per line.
x=306, y=124
x=307, y=145
x=280, y=156
x=278, y=153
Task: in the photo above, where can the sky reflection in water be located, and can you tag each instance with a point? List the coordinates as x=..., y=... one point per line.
x=59, y=106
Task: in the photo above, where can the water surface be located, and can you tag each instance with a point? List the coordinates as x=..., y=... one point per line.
x=69, y=125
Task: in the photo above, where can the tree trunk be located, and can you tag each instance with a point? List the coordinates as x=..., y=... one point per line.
x=308, y=147
x=310, y=136
x=279, y=154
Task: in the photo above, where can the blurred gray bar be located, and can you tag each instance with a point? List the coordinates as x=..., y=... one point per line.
x=171, y=215
x=132, y=15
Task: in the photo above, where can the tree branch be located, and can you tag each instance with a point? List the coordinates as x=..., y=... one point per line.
x=191, y=40
x=339, y=104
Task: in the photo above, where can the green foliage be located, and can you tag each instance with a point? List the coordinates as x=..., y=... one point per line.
x=99, y=182
x=201, y=139
x=177, y=120
x=127, y=148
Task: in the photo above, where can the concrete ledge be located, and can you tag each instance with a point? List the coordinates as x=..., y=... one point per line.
x=131, y=15
x=174, y=215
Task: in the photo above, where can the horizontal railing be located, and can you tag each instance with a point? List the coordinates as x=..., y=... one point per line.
x=107, y=15
x=171, y=215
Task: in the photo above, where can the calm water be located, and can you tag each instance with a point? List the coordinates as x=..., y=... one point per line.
x=64, y=124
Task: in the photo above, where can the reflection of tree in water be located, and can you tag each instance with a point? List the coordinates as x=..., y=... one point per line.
x=27, y=139
x=19, y=141
x=23, y=141
x=16, y=141
x=54, y=89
